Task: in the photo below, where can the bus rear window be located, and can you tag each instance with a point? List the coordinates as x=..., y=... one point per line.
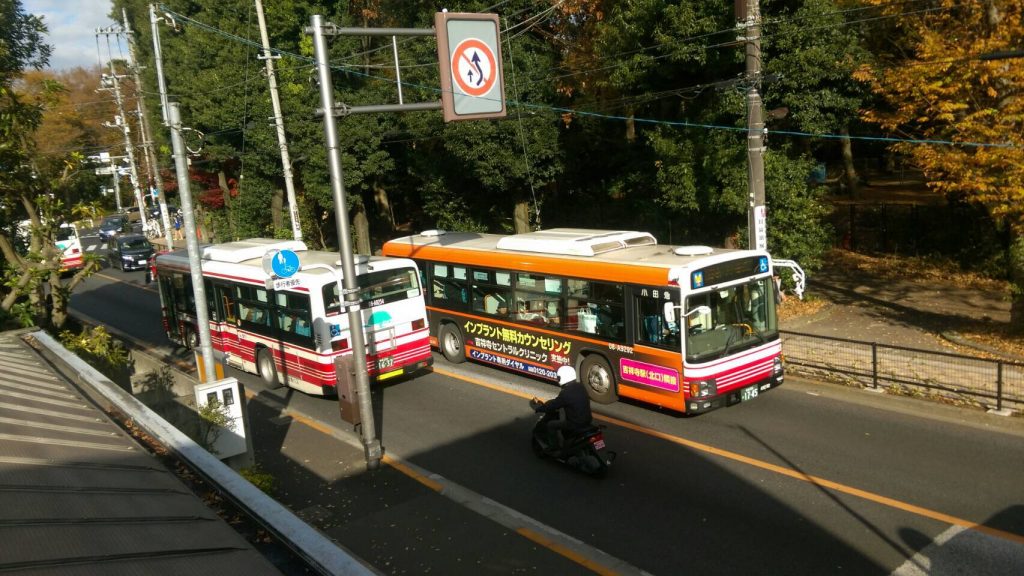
x=376, y=288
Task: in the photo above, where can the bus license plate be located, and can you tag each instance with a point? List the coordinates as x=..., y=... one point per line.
x=385, y=363
x=748, y=393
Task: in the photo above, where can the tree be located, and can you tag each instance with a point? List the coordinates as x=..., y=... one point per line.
x=943, y=79
x=672, y=158
x=37, y=190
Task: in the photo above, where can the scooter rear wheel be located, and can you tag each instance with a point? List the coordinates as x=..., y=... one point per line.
x=538, y=448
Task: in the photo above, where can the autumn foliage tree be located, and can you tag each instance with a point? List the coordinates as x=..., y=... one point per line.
x=955, y=73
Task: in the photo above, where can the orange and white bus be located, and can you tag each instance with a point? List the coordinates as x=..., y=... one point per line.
x=289, y=331
x=690, y=328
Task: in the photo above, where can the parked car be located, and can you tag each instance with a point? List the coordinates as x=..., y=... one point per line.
x=154, y=211
x=112, y=226
x=130, y=252
x=133, y=214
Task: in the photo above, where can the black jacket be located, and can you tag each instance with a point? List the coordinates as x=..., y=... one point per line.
x=573, y=397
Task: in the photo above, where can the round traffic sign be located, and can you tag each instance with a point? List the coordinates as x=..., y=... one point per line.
x=281, y=263
x=474, y=67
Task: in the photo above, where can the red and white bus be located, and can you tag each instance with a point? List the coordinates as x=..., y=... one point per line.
x=72, y=257
x=290, y=331
x=690, y=328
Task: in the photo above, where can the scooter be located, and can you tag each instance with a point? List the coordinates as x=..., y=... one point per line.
x=582, y=449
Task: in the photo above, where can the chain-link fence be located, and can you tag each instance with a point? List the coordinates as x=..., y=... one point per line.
x=989, y=383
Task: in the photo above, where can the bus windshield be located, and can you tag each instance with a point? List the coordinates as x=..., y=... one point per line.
x=740, y=317
x=65, y=233
x=376, y=288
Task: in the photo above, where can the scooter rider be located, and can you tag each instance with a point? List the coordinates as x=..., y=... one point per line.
x=573, y=399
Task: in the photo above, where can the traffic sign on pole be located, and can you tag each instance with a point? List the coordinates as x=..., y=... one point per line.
x=469, y=53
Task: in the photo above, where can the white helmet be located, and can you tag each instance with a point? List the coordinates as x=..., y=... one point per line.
x=566, y=374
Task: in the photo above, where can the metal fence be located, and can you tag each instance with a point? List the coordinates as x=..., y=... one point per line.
x=989, y=383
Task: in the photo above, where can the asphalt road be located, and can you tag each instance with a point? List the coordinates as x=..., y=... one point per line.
x=807, y=479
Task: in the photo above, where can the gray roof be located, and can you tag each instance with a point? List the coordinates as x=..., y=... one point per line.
x=80, y=496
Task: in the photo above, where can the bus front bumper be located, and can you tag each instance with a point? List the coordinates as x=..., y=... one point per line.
x=735, y=396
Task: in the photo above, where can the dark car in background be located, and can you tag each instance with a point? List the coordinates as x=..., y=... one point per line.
x=130, y=252
x=113, y=226
x=154, y=211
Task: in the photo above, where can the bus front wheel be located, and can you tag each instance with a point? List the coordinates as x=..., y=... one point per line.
x=265, y=365
x=599, y=380
x=452, y=345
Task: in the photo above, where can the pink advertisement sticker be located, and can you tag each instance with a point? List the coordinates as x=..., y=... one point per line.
x=649, y=374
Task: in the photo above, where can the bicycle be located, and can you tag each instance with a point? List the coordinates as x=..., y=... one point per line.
x=153, y=230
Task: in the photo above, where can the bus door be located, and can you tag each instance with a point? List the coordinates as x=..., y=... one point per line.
x=228, y=324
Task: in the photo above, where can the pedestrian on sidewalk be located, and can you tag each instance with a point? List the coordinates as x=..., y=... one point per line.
x=178, y=235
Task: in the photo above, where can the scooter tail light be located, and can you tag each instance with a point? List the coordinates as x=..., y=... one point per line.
x=599, y=437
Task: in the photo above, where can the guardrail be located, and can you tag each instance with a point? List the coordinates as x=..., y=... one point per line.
x=991, y=383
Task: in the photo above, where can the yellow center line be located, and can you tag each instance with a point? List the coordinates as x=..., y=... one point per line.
x=550, y=544
x=116, y=279
x=438, y=487
x=782, y=470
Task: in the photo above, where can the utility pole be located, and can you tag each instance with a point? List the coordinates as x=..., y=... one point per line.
x=147, y=138
x=757, y=232
x=282, y=141
x=113, y=80
x=117, y=188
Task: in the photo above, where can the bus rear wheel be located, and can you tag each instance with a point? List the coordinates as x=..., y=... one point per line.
x=265, y=365
x=452, y=344
x=191, y=339
x=596, y=375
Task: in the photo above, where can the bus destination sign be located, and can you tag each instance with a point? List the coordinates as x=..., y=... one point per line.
x=727, y=271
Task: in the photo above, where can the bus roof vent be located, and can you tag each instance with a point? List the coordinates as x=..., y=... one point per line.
x=243, y=250
x=693, y=250
x=356, y=259
x=433, y=233
x=575, y=241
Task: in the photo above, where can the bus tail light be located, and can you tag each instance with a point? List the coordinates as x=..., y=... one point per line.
x=702, y=388
x=419, y=324
x=339, y=345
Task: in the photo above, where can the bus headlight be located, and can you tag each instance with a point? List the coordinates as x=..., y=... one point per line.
x=701, y=388
x=777, y=366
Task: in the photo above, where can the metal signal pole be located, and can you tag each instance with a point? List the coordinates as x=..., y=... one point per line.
x=159, y=59
x=368, y=429
x=286, y=163
x=757, y=213
x=194, y=262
